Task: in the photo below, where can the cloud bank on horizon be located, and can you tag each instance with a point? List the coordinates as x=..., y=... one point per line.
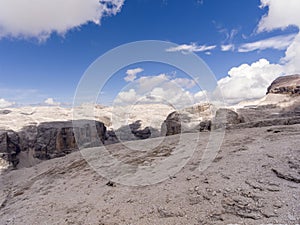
x=4, y=103
x=51, y=102
x=159, y=89
x=39, y=18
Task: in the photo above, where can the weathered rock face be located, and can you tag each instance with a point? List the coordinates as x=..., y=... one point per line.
x=50, y=140
x=205, y=125
x=9, y=146
x=172, y=124
x=133, y=131
x=193, y=119
x=138, y=132
x=57, y=138
x=53, y=140
x=285, y=85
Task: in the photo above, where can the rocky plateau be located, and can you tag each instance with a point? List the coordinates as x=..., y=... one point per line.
x=254, y=177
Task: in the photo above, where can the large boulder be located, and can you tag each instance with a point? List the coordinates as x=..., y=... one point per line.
x=228, y=116
x=285, y=85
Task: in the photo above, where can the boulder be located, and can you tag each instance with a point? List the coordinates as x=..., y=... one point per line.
x=205, y=125
x=228, y=116
x=289, y=85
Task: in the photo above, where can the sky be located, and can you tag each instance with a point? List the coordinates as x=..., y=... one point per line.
x=46, y=47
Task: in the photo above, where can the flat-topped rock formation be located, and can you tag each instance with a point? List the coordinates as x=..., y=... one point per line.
x=285, y=85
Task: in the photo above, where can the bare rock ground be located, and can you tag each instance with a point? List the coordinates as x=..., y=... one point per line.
x=255, y=179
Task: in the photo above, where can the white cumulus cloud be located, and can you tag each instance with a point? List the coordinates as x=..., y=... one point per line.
x=249, y=81
x=39, y=18
x=154, y=89
x=292, y=57
x=282, y=14
x=193, y=47
x=281, y=42
x=4, y=103
x=131, y=74
x=50, y=101
x=127, y=97
x=201, y=96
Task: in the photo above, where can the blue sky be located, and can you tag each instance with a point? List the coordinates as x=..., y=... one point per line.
x=43, y=58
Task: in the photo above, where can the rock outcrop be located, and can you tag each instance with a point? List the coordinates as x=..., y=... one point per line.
x=172, y=124
x=138, y=132
x=285, y=85
x=10, y=146
x=269, y=115
x=133, y=131
x=50, y=139
x=57, y=139
x=193, y=119
x=227, y=117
